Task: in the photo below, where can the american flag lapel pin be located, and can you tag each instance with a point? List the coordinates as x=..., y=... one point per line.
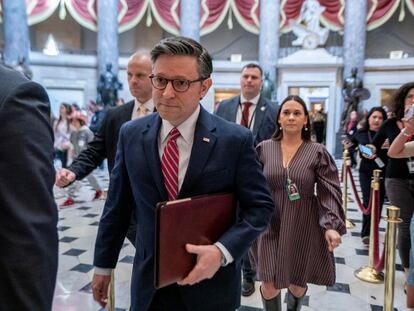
x=206, y=139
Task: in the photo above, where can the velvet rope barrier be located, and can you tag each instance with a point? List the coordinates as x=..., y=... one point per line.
x=372, y=272
x=378, y=262
x=365, y=211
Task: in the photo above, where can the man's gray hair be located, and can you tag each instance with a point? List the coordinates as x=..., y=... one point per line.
x=185, y=47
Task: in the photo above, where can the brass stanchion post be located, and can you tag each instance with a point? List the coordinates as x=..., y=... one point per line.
x=368, y=273
x=110, y=306
x=392, y=219
x=346, y=163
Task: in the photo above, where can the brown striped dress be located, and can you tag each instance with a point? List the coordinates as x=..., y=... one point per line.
x=294, y=250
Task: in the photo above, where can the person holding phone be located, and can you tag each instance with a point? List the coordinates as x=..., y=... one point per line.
x=400, y=148
x=399, y=174
x=370, y=162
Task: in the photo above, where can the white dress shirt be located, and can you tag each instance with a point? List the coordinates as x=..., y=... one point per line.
x=252, y=109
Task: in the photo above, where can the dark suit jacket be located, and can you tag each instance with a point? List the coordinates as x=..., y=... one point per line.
x=264, y=118
x=227, y=162
x=104, y=143
x=28, y=221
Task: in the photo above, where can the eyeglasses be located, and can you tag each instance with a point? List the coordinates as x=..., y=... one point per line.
x=179, y=85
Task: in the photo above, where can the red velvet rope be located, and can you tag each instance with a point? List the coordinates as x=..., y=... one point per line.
x=380, y=265
x=341, y=177
x=365, y=211
x=378, y=261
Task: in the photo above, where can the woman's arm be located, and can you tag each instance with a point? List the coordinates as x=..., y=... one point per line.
x=399, y=147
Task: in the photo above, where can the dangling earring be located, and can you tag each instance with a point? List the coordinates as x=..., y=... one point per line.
x=280, y=128
x=306, y=129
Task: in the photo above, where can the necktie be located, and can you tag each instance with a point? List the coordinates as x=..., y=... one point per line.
x=142, y=111
x=245, y=114
x=169, y=164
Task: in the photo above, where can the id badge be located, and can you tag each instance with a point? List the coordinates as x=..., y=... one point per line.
x=379, y=162
x=410, y=165
x=292, y=191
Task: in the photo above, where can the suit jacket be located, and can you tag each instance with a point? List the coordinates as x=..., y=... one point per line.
x=227, y=162
x=104, y=143
x=264, y=118
x=28, y=222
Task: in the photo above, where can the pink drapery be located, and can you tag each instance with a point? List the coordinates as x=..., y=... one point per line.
x=167, y=12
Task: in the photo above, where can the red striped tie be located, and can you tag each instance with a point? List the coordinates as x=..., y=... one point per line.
x=169, y=164
x=245, y=114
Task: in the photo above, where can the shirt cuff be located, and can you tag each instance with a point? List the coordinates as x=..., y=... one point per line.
x=102, y=271
x=229, y=258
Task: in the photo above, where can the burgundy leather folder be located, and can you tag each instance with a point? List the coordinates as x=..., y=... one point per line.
x=199, y=220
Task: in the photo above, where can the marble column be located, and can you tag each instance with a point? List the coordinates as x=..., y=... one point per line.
x=190, y=19
x=108, y=52
x=269, y=37
x=354, y=36
x=354, y=54
x=16, y=32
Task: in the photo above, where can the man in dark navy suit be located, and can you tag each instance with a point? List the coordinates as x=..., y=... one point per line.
x=250, y=109
x=181, y=151
x=258, y=114
x=28, y=222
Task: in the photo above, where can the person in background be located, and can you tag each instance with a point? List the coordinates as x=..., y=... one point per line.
x=105, y=141
x=319, y=125
x=61, y=129
x=399, y=178
x=28, y=222
x=99, y=113
x=350, y=130
x=251, y=110
x=364, y=136
x=297, y=248
x=80, y=136
x=400, y=148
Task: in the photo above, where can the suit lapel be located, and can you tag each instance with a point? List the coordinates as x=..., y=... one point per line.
x=203, y=145
x=259, y=115
x=127, y=112
x=150, y=146
x=234, y=106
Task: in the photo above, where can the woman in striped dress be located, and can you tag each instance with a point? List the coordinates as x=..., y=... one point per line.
x=297, y=247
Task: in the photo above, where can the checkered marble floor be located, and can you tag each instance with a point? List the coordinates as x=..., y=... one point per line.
x=78, y=226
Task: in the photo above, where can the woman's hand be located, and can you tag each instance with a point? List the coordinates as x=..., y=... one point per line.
x=409, y=126
x=374, y=150
x=333, y=238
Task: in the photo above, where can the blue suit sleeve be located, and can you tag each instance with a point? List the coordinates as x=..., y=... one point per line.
x=116, y=214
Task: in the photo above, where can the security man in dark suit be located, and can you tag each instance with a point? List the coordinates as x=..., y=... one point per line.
x=28, y=222
x=105, y=141
x=258, y=114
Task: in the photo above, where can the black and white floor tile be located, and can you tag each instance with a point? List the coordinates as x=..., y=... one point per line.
x=78, y=226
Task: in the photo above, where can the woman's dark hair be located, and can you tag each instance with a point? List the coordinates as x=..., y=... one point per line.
x=365, y=127
x=306, y=134
x=397, y=103
x=68, y=109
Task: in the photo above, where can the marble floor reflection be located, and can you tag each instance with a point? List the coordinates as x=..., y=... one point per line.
x=78, y=226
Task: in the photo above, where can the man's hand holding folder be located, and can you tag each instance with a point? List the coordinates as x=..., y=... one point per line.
x=208, y=263
x=186, y=231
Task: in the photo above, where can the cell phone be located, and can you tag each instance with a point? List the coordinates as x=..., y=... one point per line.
x=366, y=150
x=410, y=112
